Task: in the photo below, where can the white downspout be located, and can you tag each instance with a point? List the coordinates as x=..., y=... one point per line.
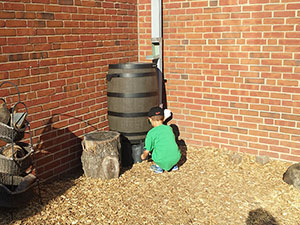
x=157, y=42
x=156, y=30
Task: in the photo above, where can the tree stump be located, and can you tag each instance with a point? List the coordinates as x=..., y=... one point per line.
x=101, y=154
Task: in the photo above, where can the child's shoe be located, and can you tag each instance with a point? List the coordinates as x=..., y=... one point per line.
x=153, y=167
x=156, y=169
x=174, y=168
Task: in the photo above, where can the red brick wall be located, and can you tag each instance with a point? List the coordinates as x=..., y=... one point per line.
x=233, y=72
x=57, y=52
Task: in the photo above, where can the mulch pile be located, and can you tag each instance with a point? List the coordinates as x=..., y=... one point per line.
x=209, y=188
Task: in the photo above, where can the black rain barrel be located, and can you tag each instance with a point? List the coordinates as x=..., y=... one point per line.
x=132, y=89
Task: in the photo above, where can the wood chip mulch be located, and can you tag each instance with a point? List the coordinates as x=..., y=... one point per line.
x=209, y=188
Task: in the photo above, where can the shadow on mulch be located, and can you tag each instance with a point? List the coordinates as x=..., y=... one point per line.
x=45, y=148
x=260, y=216
x=36, y=205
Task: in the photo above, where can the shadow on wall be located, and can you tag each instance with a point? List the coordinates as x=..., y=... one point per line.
x=181, y=144
x=260, y=216
x=58, y=150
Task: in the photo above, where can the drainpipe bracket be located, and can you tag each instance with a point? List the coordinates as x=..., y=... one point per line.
x=152, y=57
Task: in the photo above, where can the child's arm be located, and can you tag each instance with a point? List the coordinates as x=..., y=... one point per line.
x=144, y=155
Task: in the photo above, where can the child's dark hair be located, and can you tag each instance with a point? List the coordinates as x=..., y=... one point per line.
x=157, y=118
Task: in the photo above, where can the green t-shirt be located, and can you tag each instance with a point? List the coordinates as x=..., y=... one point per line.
x=161, y=142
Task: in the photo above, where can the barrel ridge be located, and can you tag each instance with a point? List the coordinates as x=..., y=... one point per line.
x=131, y=114
x=109, y=76
x=132, y=66
x=131, y=95
x=134, y=134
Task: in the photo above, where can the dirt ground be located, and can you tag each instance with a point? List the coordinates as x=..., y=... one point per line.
x=208, y=189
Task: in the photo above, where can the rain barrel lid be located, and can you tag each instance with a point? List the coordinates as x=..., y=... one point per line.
x=132, y=66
